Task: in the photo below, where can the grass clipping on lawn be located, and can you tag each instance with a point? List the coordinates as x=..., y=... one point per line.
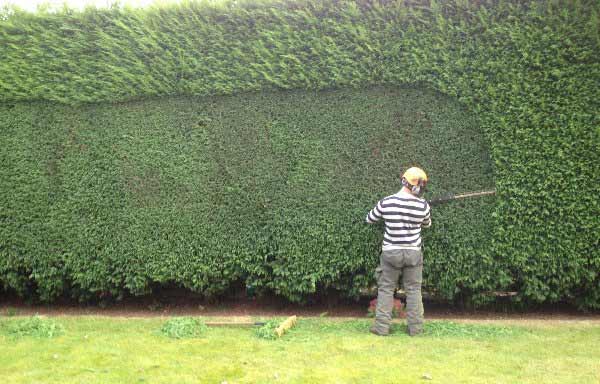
x=34, y=326
x=183, y=328
x=267, y=331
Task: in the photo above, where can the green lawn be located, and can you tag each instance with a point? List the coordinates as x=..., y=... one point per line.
x=115, y=350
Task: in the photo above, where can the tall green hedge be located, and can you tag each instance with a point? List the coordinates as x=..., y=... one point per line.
x=265, y=190
x=529, y=70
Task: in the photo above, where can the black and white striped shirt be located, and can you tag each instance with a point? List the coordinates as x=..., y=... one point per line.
x=404, y=215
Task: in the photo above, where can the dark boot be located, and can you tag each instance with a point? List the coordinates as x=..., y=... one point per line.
x=377, y=332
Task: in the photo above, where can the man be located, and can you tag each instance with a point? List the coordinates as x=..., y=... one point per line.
x=404, y=213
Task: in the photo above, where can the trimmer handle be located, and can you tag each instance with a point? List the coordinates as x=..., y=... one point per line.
x=451, y=197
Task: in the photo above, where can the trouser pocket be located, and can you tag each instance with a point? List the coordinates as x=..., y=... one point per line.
x=413, y=258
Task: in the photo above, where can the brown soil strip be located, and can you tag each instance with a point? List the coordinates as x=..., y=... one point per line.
x=244, y=310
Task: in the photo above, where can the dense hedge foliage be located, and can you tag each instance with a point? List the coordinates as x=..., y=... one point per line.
x=265, y=190
x=529, y=70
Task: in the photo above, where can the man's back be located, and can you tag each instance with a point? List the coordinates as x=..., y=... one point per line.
x=404, y=215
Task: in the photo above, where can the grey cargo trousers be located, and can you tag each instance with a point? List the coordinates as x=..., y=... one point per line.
x=409, y=263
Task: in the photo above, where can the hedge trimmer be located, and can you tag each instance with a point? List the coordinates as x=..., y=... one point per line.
x=452, y=197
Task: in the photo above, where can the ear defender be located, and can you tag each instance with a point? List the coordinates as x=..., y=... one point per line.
x=418, y=189
x=406, y=184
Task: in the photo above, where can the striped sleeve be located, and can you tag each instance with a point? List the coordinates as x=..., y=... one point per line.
x=375, y=214
x=427, y=218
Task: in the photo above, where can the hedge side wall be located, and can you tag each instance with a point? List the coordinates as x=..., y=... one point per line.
x=530, y=70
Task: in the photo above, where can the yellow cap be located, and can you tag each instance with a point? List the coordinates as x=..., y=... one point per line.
x=414, y=174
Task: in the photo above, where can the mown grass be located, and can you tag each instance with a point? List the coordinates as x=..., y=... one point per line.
x=112, y=350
